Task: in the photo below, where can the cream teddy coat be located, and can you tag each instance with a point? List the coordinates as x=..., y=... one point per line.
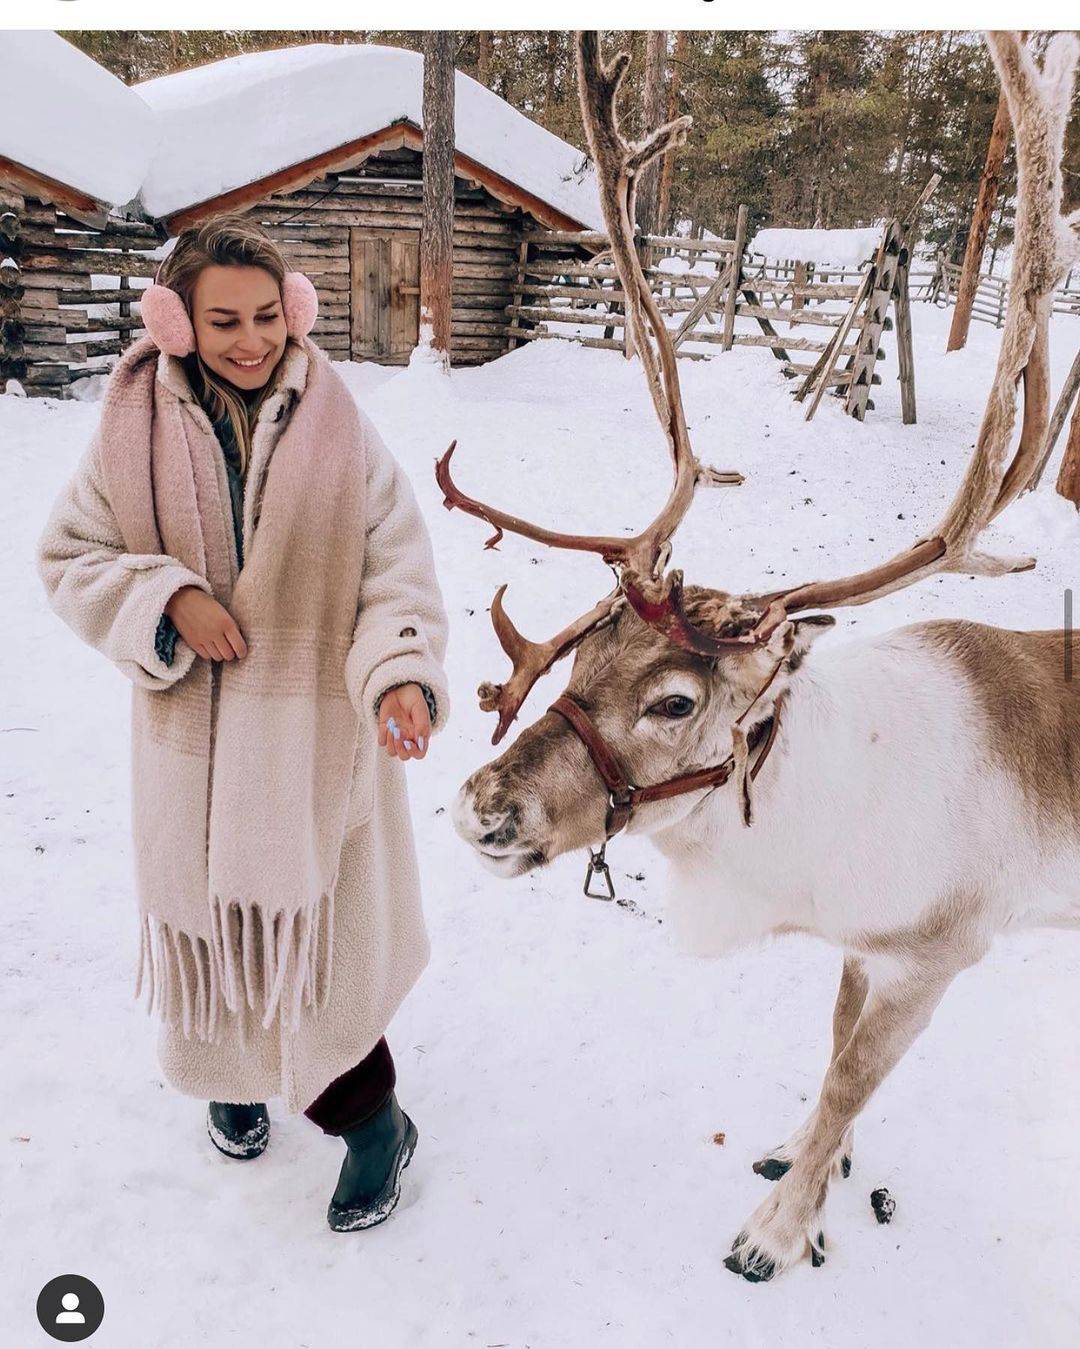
x=114, y=602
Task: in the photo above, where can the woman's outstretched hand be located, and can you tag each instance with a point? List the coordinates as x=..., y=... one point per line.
x=404, y=722
x=206, y=625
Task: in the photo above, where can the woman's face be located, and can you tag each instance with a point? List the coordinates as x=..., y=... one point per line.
x=239, y=323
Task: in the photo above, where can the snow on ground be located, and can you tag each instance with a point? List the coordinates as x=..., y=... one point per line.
x=567, y=1069
x=65, y=116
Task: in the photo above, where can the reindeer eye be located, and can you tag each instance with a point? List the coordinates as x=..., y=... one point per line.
x=675, y=705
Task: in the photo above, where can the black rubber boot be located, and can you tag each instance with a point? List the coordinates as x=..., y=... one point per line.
x=370, y=1180
x=240, y=1131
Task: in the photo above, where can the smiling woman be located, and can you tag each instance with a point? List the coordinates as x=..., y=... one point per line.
x=239, y=323
x=296, y=664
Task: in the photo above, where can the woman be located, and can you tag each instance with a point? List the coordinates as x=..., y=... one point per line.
x=238, y=540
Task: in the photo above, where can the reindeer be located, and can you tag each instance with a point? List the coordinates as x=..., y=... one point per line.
x=904, y=797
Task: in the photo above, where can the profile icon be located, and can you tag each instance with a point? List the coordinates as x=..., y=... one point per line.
x=70, y=1308
x=70, y=1316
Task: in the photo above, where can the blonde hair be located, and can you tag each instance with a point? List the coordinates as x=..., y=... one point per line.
x=223, y=241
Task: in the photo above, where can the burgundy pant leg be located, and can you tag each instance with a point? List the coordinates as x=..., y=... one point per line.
x=357, y=1094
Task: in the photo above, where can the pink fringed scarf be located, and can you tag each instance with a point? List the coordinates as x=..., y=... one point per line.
x=241, y=769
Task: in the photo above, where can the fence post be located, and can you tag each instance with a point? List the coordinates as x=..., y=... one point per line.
x=736, y=279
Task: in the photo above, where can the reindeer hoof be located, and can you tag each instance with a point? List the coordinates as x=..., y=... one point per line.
x=771, y=1168
x=817, y=1253
x=746, y=1260
x=755, y=1274
x=845, y=1167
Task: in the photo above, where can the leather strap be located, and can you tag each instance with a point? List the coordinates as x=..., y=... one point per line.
x=623, y=798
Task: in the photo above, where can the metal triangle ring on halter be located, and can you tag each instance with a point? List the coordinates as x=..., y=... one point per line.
x=623, y=797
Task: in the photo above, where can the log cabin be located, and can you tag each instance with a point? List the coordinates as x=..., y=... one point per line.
x=324, y=145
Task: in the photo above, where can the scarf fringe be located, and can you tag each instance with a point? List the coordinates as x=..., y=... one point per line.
x=270, y=965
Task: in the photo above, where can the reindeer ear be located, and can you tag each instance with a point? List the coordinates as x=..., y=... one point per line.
x=807, y=631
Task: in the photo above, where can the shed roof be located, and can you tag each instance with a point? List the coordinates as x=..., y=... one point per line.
x=239, y=121
x=66, y=123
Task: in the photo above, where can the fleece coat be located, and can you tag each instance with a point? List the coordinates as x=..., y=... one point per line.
x=113, y=599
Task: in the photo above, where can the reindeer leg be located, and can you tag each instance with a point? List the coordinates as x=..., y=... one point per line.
x=849, y=1003
x=903, y=992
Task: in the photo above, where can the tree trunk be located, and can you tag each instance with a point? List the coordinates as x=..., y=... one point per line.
x=980, y=226
x=483, y=65
x=648, y=192
x=664, y=222
x=436, y=238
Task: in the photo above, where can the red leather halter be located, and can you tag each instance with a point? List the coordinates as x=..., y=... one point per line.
x=624, y=798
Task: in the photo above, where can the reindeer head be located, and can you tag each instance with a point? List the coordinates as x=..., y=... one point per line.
x=660, y=710
x=665, y=681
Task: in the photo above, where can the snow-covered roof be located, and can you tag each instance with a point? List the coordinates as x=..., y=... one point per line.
x=236, y=121
x=64, y=116
x=842, y=248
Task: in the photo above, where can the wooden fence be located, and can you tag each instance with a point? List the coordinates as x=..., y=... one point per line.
x=823, y=323
x=937, y=284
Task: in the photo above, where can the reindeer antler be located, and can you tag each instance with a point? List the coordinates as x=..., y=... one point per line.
x=1046, y=246
x=638, y=559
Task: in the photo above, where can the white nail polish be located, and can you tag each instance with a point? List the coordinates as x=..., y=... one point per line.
x=408, y=744
x=420, y=742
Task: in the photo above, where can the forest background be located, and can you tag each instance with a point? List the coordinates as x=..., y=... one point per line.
x=809, y=128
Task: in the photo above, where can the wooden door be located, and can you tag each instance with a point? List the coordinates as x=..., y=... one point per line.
x=385, y=300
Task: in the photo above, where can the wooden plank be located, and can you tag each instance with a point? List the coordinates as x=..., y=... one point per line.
x=606, y=343
x=84, y=261
x=595, y=294
x=905, y=353
x=76, y=321
x=461, y=328
x=50, y=281
x=366, y=293
x=483, y=271
x=404, y=293
x=84, y=295
x=702, y=304
x=797, y=301
x=325, y=326
x=777, y=341
x=61, y=352
x=817, y=319
x=736, y=276
x=818, y=291
x=766, y=327
x=556, y=315
x=104, y=347
x=321, y=210
x=824, y=370
x=46, y=375
x=518, y=288
x=885, y=264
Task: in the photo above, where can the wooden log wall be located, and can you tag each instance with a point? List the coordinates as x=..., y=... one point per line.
x=385, y=193
x=76, y=294
x=12, y=290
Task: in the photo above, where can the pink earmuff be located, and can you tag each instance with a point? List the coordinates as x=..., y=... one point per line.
x=167, y=322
